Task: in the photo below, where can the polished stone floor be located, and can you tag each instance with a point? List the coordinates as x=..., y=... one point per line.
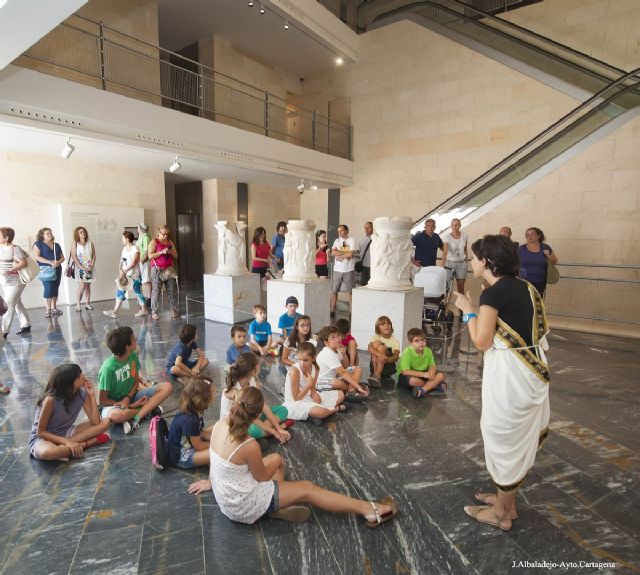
x=111, y=512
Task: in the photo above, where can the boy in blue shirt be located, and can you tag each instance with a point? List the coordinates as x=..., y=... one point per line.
x=239, y=343
x=179, y=362
x=260, y=332
x=287, y=319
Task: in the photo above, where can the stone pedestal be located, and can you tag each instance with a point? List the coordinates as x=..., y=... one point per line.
x=230, y=299
x=404, y=308
x=313, y=299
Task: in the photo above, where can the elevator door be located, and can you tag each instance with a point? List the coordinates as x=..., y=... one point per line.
x=190, y=246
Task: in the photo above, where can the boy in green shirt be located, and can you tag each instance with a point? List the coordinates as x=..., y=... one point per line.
x=124, y=397
x=417, y=368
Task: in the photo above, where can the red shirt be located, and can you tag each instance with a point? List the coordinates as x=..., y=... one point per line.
x=262, y=251
x=347, y=338
x=321, y=258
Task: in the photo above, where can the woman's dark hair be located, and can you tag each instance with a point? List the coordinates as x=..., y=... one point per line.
x=294, y=336
x=244, y=365
x=196, y=396
x=318, y=234
x=60, y=384
x=118, y=339
x=500, y=254
x=40, y=234
x=187, y=333
x=538, y=231
x=343, y=325
x=130, y=237
x=8, y=233
x=256, y=235
x=244, y=412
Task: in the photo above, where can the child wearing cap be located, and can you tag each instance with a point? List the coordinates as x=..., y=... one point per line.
x=287, y=319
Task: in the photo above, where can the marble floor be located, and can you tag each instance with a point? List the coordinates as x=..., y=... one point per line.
x=111, y=512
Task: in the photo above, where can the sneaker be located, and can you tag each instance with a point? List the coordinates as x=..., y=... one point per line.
x=439, y=389
x=110, y=313
x=24, y=330
x=56, y=311
x=374, y=382
x=418, y=392
x=103, y=438
x=141, y=313
x=126, y=427
x=135, y=425
x=89, y=307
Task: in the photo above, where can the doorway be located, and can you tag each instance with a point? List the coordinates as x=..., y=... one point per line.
x=190, y=242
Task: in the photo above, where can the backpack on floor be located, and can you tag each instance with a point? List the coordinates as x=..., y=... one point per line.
x=158, y=441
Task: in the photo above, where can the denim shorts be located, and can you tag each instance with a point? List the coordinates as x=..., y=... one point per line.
x=275, y=499
x=186, y=458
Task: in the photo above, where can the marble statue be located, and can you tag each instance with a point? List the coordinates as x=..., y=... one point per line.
x=231, y=248
x=391, y=253
x=299, y=251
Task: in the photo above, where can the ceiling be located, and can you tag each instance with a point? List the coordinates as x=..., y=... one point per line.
x=30, y=140
x=183, y=22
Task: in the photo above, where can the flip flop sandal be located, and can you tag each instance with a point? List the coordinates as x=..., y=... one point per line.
x=293, y=513
x=380, y=519
x=473, y=510
x=342, y=408
x=482, y=498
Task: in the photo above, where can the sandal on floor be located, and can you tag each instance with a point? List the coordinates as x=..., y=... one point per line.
x=294, y=513
x=380, y=519
x=89, y=307
x=473, y=510
x=47, y=315
x=4, y=389
x=342, y=408
x=483, y=498
x=155, y=316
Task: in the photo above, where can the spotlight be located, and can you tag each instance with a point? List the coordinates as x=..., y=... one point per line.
x=300, y=187
x=339, y=61
x=312, y=186
x=250, y=4
x=261, y=8
x=173, y=168
x=286, y=25
x=67, y=150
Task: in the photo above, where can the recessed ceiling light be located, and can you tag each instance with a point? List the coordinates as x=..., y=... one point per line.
x=339, y=61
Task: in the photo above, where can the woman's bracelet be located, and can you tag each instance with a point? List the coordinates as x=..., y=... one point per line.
x=467, y=316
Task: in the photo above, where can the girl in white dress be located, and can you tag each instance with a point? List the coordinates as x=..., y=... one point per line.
x=248, y=486
x=301, y=398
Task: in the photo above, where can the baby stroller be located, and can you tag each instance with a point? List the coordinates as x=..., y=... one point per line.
x=437, y=291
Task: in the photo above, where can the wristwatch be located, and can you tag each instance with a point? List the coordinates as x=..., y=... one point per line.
x=467, y=316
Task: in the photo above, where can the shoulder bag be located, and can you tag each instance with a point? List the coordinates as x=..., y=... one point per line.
x=48, y=273
x=30, y=271
x=553, y=275
x=70, y=271
x=359, y=265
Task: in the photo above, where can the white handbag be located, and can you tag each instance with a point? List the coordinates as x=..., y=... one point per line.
x=30, y=271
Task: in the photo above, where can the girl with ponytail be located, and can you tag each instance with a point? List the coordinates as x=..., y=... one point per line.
x=270, y=421
x=248, y=486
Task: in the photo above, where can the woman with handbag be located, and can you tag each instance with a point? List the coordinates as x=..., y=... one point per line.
x=49, y=256
x=534, y=259
x=12, y=259
x=83, y=255
x=162, y=252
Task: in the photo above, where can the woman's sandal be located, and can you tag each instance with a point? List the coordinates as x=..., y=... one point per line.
x=293, y=513
x=342, y=408
x=484, y=498
x=4, y=389
x=380, y=519
x=473, y=510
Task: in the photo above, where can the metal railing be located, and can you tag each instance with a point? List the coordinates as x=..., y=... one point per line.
x=90, y=52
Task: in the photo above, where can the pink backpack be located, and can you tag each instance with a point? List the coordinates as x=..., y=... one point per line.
x=158, y=441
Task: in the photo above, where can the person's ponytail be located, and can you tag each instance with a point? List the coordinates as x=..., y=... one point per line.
x=244, y=412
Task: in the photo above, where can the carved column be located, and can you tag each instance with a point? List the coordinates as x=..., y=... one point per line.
x=391, y=253
x=300, y=251
x=231, y=248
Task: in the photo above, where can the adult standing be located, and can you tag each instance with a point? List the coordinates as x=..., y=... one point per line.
x=455, y=255
x=162, y=252
x=427, y=244
x=507, y=233
x=510, y=327
x=277, y=243
x=83, y=254
x=260, y=252
x=48, y=254
x=129, y=267
x=342, y=250
x=534, y=258
x=12, y=259
x=364, y=247
x=144, y=239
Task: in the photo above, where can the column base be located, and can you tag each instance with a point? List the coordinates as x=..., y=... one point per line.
x=313, y=300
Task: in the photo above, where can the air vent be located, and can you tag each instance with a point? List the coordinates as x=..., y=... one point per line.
x=159, y=140
x=44, y=117
x=234, y=156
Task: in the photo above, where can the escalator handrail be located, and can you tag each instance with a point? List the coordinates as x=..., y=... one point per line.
x=502, y=22
x=586, y=104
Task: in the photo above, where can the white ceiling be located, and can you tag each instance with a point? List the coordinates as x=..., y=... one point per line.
x=183, y=22
x=33, y=141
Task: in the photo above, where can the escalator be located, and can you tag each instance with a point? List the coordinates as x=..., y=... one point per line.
x=555, y=64
x=598, y=116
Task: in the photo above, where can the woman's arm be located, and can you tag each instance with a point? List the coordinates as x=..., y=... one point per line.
x=152, y=250
x=445, y=251
x=92, y=262
x=482, y=328
x=38, y=256
x=74, y=254
x=61, y=258
x=550, y=255
x=18, y=263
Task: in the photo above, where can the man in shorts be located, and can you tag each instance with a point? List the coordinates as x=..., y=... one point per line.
x=344, y=273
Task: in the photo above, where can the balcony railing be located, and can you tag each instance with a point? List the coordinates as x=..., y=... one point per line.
x=89, y=52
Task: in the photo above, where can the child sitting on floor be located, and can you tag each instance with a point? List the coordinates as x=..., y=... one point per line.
x=54, y=434
x=260, y=337
x=417, y=368
x=241, y=375
x=348, y=342
x=238, y=343
x=384, y=350
x=178, y=360
x=301, y=398
x=188, y=442
x=332, y=374
x=300, y=333
x=124, y=397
